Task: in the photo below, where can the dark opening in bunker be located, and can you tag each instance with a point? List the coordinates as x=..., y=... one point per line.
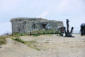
x=44, y=26
x=33, y=26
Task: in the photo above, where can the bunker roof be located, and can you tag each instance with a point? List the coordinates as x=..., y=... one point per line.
x=33, y=19
x=27, y=19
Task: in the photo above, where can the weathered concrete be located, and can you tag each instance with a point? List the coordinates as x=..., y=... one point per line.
x=26, y=25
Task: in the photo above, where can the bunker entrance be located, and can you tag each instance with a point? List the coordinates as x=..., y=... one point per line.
x=44, y=26
x=34, y=26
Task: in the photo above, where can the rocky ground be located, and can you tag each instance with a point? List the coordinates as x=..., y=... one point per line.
x=48, y=45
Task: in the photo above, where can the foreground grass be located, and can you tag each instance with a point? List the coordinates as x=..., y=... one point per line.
x=31, y=44
x=2, y=40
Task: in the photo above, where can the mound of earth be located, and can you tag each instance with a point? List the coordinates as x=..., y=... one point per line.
x=49, y=45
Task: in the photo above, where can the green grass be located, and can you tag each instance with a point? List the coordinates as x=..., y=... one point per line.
x=43, y=32
x=31, y=44
x=18, y=40
x=18, y=34
x=2, y=40
x=36, y=33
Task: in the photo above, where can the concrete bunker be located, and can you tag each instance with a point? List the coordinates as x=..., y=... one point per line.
x=26, y=25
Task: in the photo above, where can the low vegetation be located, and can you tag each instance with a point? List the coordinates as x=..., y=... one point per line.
x=18, y=34
x=31, y=44
x=18, y=40
x=36, y=33
x=2, y=40
x=43, y=32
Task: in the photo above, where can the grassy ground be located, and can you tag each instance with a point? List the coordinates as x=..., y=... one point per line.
x=49, y=45
x=31, y=44
x=2, y=40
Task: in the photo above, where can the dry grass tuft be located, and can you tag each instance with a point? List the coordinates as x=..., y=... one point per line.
x=2, y=40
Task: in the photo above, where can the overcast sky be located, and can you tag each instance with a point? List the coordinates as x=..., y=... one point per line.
x=74, y=10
